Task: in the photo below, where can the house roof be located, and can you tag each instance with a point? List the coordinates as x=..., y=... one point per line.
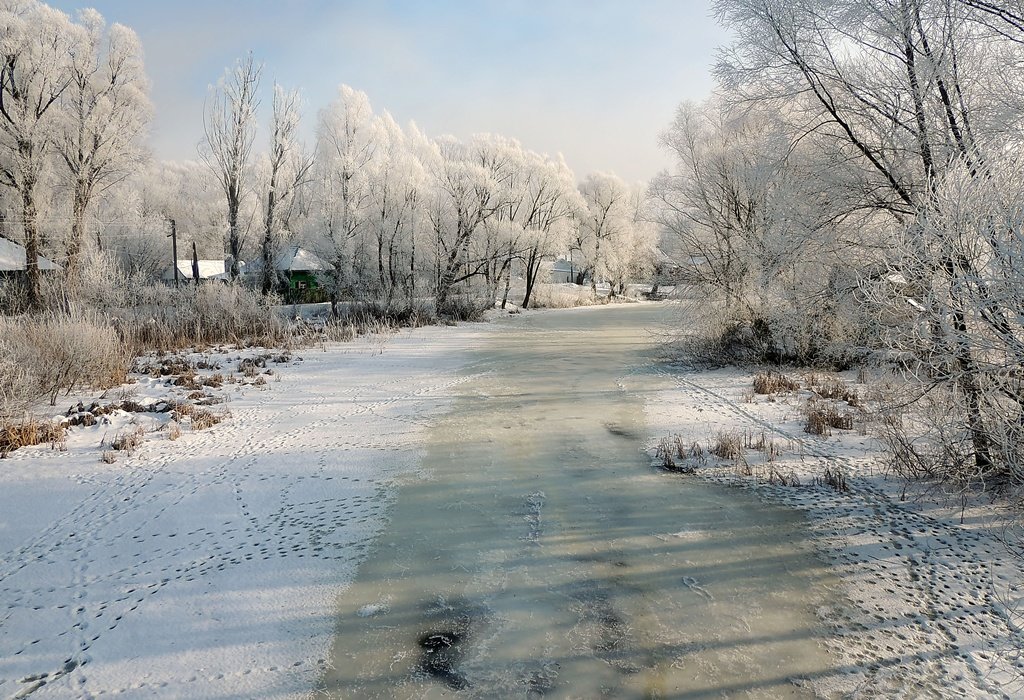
x=207, y=269
x=294, y=259
x=12, y=258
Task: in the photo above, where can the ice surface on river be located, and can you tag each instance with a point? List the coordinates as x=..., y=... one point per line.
x=543, y=555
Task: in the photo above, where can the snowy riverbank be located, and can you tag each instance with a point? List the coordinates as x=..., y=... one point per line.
x=935, y=605
x=208, y=566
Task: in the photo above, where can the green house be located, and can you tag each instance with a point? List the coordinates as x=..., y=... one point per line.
x=300, y=273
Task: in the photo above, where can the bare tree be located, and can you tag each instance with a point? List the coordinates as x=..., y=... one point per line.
x=230, y=124
x=289, y=168
x=551, y=201
x=470, y=180
x=33, y=75
x=902, y=88
x=345, y=148
x=104, y=115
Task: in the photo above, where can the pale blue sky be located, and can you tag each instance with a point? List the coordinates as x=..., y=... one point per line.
x=596, y=80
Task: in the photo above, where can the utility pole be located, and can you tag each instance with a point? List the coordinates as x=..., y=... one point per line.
x=174, y=250
x=195, y=263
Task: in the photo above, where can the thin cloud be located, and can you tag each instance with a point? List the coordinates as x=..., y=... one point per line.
x=594, y=80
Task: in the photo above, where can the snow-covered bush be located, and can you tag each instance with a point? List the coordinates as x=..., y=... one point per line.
x=765, y=253
x=203, y=315
x=961, y=287
x=562, y=296
x=48, y=355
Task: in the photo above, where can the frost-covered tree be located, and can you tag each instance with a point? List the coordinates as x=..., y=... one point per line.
x=632, y=253
x=287, y=168
x=345, y=148
x=103, y=117
x=472, y=182
x=957, y=290
x=397, y=180
x=756, y=217
x=35, y=48
x=550, y=203
x=716, y=200
x=608, y=235
x=230, y=125
x=911, y=96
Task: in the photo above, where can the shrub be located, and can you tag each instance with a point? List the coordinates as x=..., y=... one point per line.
x=926, y=437
x=562, y=296
x=462, y=308
x=47, y=355
x=204, y=315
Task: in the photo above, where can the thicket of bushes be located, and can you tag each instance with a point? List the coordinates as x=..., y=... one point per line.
x=171, y=319
x=46, y=355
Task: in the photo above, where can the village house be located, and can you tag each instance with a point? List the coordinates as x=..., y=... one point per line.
x=13, y=260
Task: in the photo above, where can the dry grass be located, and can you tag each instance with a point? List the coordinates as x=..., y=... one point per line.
x=833, y=478
x=776, y=477
x=173, y=430
x=202, y=419
x=675, y=456
x=45, y=356
x=181, y=409
x=27, y=432
x=340, y=332
x=821, y=418
x=202, y=316
x=774, y=383
x=727, y=445
x=836, y=389
x=251, y=366
x=128, y=441
x=763, y=444
x=557, y=296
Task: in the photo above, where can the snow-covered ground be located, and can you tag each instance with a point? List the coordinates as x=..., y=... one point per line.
x=936, y=606
x=207, y=566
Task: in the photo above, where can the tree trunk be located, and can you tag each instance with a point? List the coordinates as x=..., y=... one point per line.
x=392, y=277
x=381, y=277
x=447, y=275
x=74, y=247
x=28, y=213
x=412, y=265
x=967, y=379
x=508, y=278
x=234, y=237
x=532, y=268
x=269, y=273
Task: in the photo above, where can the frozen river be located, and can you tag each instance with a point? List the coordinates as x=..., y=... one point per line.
x=537, y=552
